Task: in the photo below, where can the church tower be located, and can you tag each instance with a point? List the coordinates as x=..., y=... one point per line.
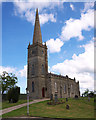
x=40, y=83
x=37, y=63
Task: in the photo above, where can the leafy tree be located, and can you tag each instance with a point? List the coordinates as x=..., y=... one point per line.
x=91, y=94
x=7, y=81
x=86, y=93
x=13, y=94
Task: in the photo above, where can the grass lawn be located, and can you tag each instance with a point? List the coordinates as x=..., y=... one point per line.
x=81, y=108
x=6, y=104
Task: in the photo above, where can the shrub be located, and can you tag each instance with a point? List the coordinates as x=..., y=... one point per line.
x=13, y=94
x=91, y=94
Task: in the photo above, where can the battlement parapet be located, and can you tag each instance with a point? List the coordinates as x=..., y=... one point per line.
x=59, y=76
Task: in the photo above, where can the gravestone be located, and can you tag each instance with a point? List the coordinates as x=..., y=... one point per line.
x=56, y=98
x=51, y=97
x=66, y=99
x=88, y=98
x=67, y=107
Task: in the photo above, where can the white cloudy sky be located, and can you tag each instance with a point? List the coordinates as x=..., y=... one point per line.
x=68, y=30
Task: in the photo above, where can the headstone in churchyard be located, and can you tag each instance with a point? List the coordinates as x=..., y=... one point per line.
x=51, y=97
x=66, y=99
x=67, y=107
x=56, y=98
x=88, y=98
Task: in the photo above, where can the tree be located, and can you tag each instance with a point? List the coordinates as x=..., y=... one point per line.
x=13, y=94
x=7, y=81
x=86, y=93
x=91, y=94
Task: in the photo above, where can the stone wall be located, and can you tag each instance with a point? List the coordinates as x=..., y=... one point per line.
x=45, y=83
x=37, y=75
x=62, y=85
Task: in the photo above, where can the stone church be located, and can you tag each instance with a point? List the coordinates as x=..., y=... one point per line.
x=40, y=83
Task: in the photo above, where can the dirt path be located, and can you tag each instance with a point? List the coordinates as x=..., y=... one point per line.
x=19, y=106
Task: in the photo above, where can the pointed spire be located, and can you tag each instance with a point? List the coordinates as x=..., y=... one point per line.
x=37, y=37
x=29, y=43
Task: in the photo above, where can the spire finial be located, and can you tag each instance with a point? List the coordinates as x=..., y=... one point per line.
x=37, y=16
x=37, y=37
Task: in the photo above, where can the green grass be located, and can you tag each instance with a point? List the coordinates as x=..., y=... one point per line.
x=6, y=104
x=81, y=108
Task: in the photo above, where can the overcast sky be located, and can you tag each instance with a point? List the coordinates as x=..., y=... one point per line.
x=68, y=30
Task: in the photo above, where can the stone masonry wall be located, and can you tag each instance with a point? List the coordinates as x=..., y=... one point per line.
x=71, y=86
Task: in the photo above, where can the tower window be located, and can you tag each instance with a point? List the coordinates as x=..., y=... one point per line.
x=42, y=51
x=32, y=86
x=64, y=88
x=32, y=52
x=33, y=69
x=72, y=88
x=42, y=69
x=55, y=87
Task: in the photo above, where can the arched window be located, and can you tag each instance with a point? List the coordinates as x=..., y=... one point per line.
x=42, y=51
x=32, y=86
x=64, y=88
x=42, y=69
x=71, y=87
x=33, y=69
x=55, y=87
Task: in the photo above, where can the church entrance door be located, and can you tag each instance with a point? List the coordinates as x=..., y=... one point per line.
x=43, y=92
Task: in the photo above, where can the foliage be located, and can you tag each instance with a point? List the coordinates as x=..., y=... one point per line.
x=13, y=94
x=7, y=81
x=86, y=93
x=91, y=94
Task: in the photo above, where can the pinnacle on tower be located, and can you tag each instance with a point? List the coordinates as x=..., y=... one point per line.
x=37, y=37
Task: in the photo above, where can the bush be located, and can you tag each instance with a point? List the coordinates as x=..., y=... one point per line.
x=13, y=94
x=91, y=94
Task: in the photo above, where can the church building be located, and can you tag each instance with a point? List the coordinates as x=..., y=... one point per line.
x=40, y=83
